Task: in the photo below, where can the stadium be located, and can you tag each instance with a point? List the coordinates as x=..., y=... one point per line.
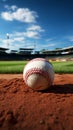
x=27, y=54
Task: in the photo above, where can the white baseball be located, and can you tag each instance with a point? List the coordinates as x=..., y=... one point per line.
x=38, y=74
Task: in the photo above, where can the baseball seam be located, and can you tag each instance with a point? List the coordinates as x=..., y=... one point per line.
x=37, y=71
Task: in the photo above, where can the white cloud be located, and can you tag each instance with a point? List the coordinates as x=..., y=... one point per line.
x=34, y=31
x=19, y=39
x=17, y=34
x=13, y=7
x=32, y=34
x=19, y=14
x=7, y=16
x=35, y=28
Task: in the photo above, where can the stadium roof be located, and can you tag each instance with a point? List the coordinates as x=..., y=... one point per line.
x=27, y=49
x=61, y=50
x=3, y=49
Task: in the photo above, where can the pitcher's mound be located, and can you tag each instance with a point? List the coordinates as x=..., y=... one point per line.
x=22, y=108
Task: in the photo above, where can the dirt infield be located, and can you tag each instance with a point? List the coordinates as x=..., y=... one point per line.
x=24, y=109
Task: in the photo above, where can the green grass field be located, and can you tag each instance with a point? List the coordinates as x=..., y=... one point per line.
x=15, y=67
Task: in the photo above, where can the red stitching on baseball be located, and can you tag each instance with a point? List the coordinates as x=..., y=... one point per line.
x=37, y=71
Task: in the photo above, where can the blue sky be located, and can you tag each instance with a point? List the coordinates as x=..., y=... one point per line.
x=43, y=24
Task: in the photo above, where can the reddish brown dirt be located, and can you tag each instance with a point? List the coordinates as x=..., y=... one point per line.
x=24, y=109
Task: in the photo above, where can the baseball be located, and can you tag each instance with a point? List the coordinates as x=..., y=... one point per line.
x=38, y=74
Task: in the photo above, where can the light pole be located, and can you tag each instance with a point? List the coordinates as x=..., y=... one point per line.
x=7, y=39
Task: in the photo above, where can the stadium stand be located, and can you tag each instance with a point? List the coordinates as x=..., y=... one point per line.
x=3, y=50
x=27, y=54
